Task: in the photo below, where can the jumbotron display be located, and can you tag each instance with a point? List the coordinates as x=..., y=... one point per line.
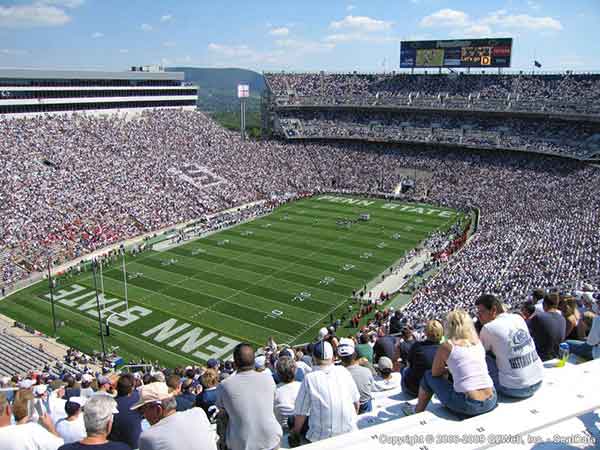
x=456, y=53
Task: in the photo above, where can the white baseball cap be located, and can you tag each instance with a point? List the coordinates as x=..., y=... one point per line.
x=323, y=332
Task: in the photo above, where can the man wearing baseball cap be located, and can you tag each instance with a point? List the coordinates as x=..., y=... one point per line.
x=171, y=430
x=363, y=378
x=328, y=398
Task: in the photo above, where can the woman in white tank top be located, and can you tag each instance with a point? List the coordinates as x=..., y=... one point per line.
x=472, y=391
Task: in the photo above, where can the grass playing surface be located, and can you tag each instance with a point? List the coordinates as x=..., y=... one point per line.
x=281, y=275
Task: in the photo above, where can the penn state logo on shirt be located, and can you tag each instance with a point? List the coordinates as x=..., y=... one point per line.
x=520, y=339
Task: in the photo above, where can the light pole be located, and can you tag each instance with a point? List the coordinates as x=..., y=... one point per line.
x=94, y=262
x=51, y=294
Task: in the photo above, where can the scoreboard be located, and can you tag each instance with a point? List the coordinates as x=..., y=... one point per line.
x=456, y=53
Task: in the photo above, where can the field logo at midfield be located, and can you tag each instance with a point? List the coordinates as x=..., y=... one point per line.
x=196, y=341
x=426, y=211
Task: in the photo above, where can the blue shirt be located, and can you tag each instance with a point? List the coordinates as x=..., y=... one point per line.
x=127, y=425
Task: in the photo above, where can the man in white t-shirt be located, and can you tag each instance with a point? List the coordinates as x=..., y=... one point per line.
x=29, y=436
x=328, y=398
x=72, y=428
x=514, y=364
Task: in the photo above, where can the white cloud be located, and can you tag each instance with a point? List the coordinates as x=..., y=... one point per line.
x=446, y=18
x=12, y=52
x=146, y=27
x=34, y=15
x=281, y=31
x=169, y=44
x=522, y=21
x=533, y=5
x=303, y=47
x=361, y=23
x=97, y=35
x=355, y=37
x=63, y=3
x=166, y=18
x=464, y=26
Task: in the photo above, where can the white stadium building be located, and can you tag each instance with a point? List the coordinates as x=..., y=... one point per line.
x=27, y=92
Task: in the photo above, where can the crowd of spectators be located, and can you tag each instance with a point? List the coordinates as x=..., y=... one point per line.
x=278, y=395
x=544, y=136
x=560, y=93
x=109, y=181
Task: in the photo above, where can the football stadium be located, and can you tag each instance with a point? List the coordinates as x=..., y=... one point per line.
x=403, y=258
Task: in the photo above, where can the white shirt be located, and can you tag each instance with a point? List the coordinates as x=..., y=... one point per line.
x=29, y=436
x=285, y=399
x=507, y=336
x=594, y=337
x=71, y=431
x=327, y=395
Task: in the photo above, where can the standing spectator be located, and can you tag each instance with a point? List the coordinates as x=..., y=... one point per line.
x=513, y=364
x=127, y=425
x=98, y=417
x=396, y=322
x=171, y=430
x=29, y=436
x=248, y=397
x=472, y=390
x=72, y=428
x=186, y=399
x=548, y=328
x=328, y=398
x=208, y=397
x=363, y=377
x=287, y=390
x=420, y=357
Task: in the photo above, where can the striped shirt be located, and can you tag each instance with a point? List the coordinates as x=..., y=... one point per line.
x=327, y=395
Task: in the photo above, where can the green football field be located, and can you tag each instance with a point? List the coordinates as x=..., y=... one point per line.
x=282, y=275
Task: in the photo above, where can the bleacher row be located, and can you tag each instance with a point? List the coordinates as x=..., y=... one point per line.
x=567, y=405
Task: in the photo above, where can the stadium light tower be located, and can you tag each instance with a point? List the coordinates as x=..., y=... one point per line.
x=94, y=263
x=243, y=94
x=51, y=287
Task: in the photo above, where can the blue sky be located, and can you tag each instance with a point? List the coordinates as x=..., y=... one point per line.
x=333, y=35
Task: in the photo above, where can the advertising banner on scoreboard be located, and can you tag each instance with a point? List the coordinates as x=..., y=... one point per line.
x=456, y=53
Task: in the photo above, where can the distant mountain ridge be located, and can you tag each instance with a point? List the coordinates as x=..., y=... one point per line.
x=217, y=88
x=222, y=79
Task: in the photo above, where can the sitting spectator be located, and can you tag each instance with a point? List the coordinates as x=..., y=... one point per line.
x=548, y=327
x=127, y=425
x=408, y=340
x=328, y=398
x=590, y=348
x=420, y=357
x=364, y=349
x=248, y=398
x=568, y=308
x=384, y=346
x=171, y=430
x=396, y=322
x=513, y=364
x=362, y=376
x=208, y=397
x=386, y=379
x=28, y=436
x=472, y=390
x=72, y=428
x=98, y=417
x=287, y=391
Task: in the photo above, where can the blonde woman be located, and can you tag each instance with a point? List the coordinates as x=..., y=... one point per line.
x=568, y=308
x=472, y=391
